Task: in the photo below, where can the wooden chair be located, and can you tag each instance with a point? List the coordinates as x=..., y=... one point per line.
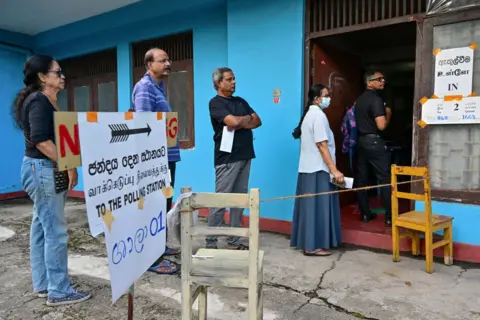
x=217, y=267
x=418, y=221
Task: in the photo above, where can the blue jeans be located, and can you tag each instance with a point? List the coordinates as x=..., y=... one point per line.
x=48, y=234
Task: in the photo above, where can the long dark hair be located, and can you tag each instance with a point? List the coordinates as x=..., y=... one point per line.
x=313, y=92
x=35, y=64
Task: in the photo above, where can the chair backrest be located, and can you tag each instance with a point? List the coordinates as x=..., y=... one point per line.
x=197, y=201
x=425, y=197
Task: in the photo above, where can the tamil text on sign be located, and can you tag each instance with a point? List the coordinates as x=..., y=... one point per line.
x=453, y=72
x=125, y=169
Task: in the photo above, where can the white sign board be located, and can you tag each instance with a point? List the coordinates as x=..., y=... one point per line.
x=125, y=168
x=453, y=72
x=464, y=111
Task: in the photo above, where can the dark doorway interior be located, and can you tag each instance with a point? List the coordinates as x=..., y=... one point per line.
x=344, y=58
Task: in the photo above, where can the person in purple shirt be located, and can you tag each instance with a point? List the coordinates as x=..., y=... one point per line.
x=149, y=96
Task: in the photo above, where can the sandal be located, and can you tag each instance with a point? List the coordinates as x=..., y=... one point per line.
x=171, y=252
x=317, y=253
x=237, y=247
x=164, y=267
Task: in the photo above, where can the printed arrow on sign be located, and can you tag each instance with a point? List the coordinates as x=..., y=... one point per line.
x=121, y=132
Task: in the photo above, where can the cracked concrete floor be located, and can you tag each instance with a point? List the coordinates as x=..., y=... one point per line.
x=350, y=284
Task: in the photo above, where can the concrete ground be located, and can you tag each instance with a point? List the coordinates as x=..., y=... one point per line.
x=350, y=284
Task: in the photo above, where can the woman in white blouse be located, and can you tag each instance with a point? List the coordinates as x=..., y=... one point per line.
x=316, y=223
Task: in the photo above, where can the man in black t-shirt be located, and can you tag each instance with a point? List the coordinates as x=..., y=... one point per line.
x=232, y=169
x=372, y=118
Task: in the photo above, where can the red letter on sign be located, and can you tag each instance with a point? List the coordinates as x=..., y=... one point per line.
x=173, y=128
x=73, y=144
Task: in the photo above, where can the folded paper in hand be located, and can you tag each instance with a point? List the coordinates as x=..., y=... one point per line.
x=227, y=140
x=348, y=182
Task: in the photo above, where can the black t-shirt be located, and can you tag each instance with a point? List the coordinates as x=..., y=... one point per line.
x=37, y=121
x=367, y=107
x=242, y=148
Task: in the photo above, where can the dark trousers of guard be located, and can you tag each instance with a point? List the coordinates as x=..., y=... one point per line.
x=373, y=154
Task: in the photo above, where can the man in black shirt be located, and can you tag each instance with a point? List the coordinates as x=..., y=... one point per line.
x=232, y=169
x=372, y=118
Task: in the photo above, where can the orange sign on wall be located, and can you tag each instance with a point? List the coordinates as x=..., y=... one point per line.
x=276, y=95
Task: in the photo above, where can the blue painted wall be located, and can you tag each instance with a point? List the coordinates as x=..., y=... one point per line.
x=262, y=41
x=465, y=222
x=209, y=27
x=225, y=33
x=11, y=81
x=265, y=50
x=16, y=39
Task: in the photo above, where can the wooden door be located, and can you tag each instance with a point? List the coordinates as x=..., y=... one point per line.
x=342, y=73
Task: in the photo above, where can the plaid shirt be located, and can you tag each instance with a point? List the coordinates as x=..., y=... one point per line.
x=349, y=130
x=149, y=96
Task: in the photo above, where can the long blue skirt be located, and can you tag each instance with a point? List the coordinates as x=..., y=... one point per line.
x=316, y=220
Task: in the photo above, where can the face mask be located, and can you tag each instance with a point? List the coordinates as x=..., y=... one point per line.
x=325, y=102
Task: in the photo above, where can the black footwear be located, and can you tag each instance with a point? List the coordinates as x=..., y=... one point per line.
x=366, y=218
x=388, y=221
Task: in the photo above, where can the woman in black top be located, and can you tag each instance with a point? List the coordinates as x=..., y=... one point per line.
x=33, y=110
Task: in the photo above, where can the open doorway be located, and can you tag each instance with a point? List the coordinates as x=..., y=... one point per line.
x=340, y=61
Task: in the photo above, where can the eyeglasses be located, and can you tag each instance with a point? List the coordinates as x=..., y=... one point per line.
x=59, y=73
x=164, y=61
x=380, y=79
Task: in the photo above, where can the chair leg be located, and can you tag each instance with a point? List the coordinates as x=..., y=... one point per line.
x=202, y=303
x=415, y=243
x=187, y=313
x=260, y=303
x=253, y=297
x=429, y=251
x=448, y=249
x=396, y=243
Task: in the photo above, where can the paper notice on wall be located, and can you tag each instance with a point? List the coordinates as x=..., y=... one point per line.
x=227, y=140
x=453, y=72
x=464, y=111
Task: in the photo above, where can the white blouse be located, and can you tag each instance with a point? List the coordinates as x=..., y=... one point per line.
x=315, y=128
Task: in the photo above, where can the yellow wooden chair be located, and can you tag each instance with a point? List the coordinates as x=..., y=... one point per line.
x=418, y=221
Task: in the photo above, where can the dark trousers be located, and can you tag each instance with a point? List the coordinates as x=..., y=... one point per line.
x=171, y=166
x=372, y=152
